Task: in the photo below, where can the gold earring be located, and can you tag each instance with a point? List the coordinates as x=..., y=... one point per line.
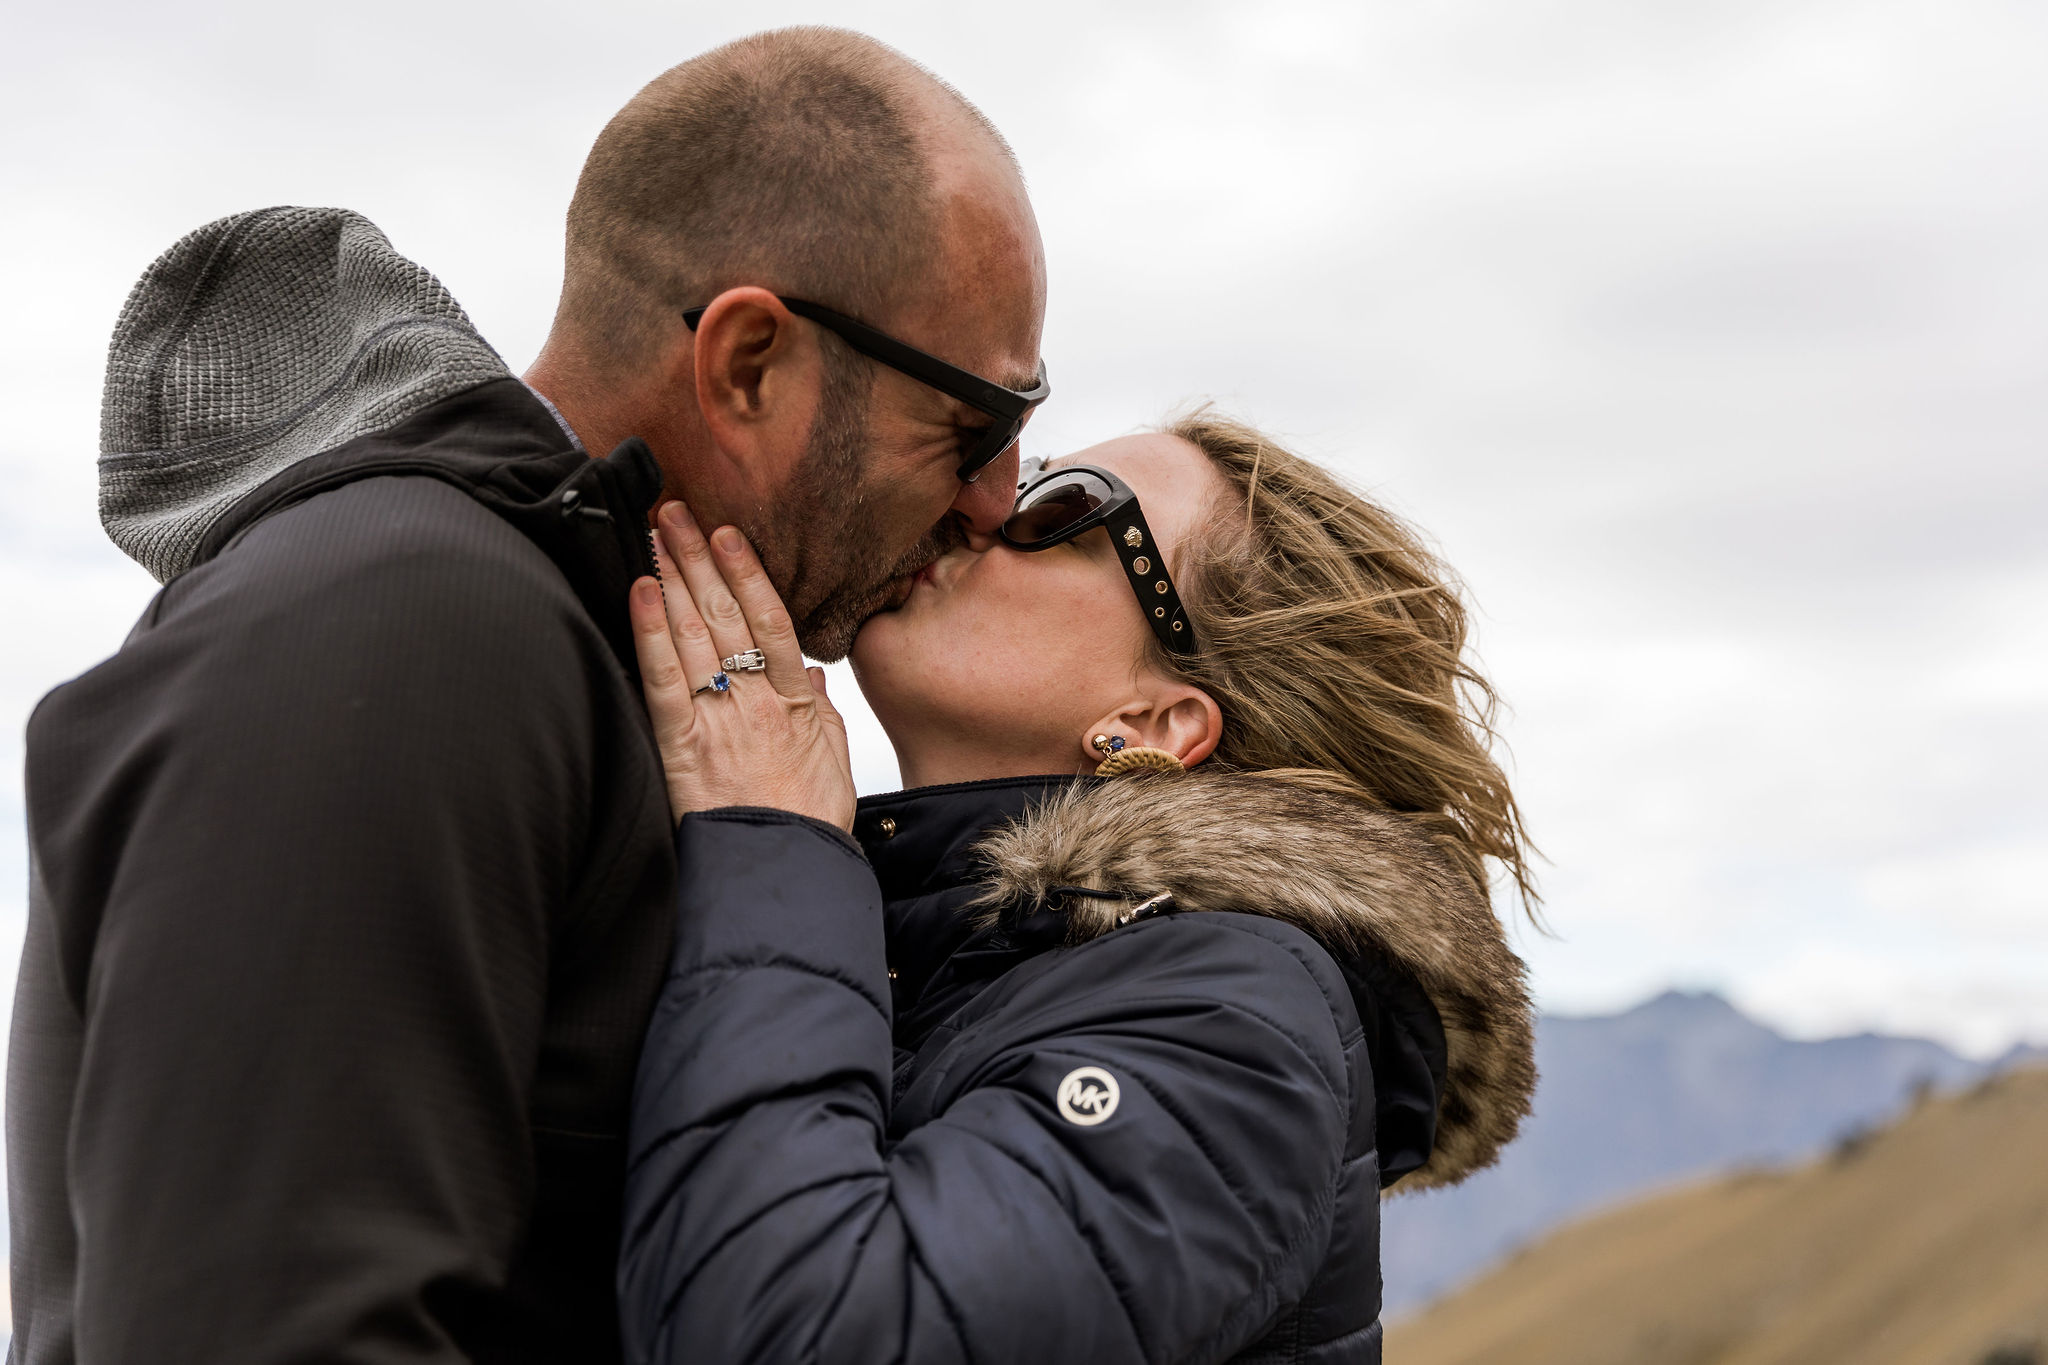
x=1139, y=758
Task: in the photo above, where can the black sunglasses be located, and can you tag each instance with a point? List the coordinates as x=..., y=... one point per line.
x=1008, y=406
x=1054, y=506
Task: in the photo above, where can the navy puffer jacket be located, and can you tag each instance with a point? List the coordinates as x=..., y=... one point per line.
x=1049, y=1069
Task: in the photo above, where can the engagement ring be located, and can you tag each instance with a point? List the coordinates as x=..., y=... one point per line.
x=719, y=683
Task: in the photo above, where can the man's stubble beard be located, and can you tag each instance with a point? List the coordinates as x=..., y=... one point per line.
x=835, y=573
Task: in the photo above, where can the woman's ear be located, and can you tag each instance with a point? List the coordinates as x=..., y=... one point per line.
x=1183, y=720
x=1191, y=726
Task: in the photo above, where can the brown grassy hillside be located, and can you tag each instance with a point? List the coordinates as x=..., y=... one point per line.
x=1925, y=1244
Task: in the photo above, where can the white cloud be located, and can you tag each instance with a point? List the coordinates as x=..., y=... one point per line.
x=1975, y=1002
x=1988, y=893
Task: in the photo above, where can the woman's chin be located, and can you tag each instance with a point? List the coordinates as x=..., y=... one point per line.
x=891, y=694
x=879, y=637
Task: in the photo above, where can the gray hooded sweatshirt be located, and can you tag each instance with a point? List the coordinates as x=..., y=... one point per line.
x=351, y=873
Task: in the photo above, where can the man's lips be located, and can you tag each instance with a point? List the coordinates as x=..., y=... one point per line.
x=902, y=586
x=899, y=588
x=899, y=593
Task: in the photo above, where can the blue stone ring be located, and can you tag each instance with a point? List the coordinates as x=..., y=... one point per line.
x=746, y=661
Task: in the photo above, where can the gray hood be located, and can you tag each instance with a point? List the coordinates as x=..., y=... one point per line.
x=256, y=342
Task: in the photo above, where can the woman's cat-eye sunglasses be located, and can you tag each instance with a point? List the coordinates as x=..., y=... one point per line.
x=1054, y=506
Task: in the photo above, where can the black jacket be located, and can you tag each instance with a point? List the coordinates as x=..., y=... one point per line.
x=980, y=1095
x=351, y=887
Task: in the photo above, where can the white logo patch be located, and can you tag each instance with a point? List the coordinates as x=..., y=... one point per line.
x=1087, y=1096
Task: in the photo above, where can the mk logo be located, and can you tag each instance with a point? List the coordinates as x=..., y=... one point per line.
x=1087, y=1096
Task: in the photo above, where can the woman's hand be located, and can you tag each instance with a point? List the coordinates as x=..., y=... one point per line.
x=770, y=739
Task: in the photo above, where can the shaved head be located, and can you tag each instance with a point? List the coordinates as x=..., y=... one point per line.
x=804, y=160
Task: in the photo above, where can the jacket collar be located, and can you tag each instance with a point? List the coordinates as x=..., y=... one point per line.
x=499, y=443
x=923, y=840
x=922, y=844
x=1307, y=848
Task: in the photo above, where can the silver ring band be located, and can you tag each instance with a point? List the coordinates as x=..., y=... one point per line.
x=746, y=661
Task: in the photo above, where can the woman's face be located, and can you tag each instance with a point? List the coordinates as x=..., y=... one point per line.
x=1003, y=663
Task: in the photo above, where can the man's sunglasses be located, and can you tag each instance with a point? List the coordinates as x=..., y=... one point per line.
x=1007, y=406
x=1055, y=506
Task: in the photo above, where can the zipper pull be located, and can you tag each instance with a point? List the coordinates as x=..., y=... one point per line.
x=572, y=506
x=1161, y=904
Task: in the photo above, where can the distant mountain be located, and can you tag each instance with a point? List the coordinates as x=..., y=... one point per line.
x=2021, y=1054
x=1682, y=1086
x=1921, y=1244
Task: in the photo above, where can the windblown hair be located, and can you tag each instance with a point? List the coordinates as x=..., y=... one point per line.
x=791, y=159
x=1334, y=641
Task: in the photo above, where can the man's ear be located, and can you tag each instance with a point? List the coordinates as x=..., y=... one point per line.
x=758, y=373
x=1181, y=719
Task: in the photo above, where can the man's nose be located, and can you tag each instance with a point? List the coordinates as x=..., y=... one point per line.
x=985, y=504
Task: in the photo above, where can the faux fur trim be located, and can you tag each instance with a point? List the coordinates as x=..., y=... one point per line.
x=1300, y=847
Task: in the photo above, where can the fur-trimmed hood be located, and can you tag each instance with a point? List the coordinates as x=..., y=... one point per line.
x=1302, y=848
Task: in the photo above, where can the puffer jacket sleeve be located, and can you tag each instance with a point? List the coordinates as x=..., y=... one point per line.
x=770, y=1216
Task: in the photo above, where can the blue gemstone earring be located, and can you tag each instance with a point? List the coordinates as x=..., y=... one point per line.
x=1118, y=760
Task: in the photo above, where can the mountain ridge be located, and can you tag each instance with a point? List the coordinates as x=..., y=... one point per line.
x=1923, y=1243
x=1680, y=1087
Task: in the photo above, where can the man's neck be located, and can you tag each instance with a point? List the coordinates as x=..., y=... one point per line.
x=556, y=413
x=600, y=414
x=582, y=412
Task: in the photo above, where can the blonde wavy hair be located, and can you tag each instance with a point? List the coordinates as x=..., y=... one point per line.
x=1334, y=642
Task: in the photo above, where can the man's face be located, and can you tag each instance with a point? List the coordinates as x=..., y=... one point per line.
x=877, y=495
x=836, y=571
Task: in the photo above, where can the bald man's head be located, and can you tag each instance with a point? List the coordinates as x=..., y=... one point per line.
x=805, y=160
x=812, y=164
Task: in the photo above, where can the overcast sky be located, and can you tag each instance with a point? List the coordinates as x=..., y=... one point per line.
x=1708, y=340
